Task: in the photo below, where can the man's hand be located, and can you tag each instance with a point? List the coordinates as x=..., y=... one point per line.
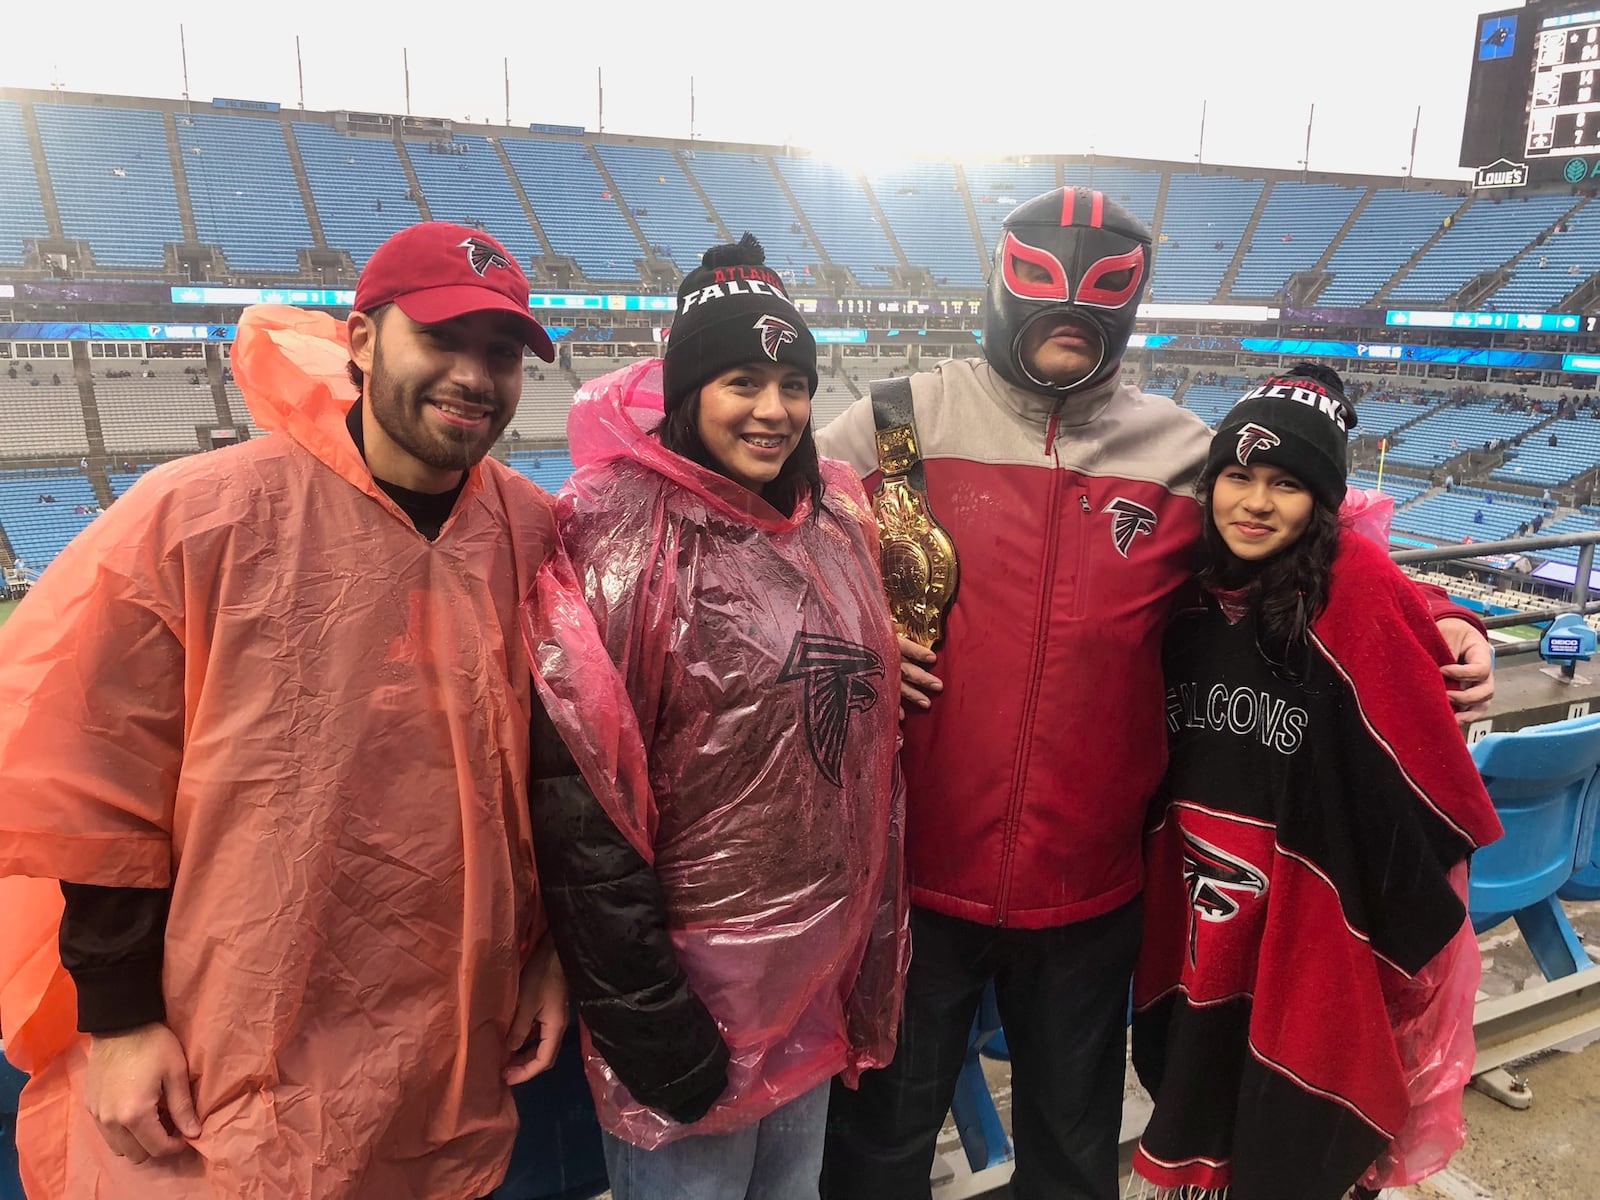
x=137, y=1090
x=917, y=685
x=541, y=1014
x=1474, y=669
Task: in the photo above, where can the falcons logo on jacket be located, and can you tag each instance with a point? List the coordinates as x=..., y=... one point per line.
x=1254, y=437
x=776, y=333
x=1210, y=874
x=481, y=255
x=1129, y=520
x=838, y=679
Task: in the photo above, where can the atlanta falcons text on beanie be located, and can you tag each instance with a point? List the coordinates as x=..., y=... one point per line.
x=1299, y=421
x=732, y=311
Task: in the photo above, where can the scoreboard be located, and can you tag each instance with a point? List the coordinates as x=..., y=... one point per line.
x=1533, y=105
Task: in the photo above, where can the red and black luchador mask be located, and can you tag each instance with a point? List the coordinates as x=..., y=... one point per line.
x=1073, y=254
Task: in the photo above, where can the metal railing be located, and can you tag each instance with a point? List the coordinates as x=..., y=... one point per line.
x=1580, y=602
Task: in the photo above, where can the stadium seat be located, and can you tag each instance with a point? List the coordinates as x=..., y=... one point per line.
x=742, y=190
x=929, y=218
x=21, y=209
x=243, y=190
x=997, y=188
x=1538, y=779
x=463, y=180
x=574, y=207
x=838, y=210
x=666, y=207
x=983, y=1138
x=1585, y=881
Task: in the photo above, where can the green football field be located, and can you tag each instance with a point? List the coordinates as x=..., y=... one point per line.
x=5, y=609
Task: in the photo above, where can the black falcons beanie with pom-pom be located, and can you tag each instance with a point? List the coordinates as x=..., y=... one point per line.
x=1299, y=421
x=733, y=311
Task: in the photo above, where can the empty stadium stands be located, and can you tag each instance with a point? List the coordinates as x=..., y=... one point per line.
x=741, y=189
x=358, y=185
x=1135, y=189
x=38, y=417
x=997, y=188
x=21, y=208
x=1486, y=235
x=36, y=528
x=1536, y=461
x=464, y=181
x=112, y=174
x=929, y=219
x=1296, y=226
x=1204, y=218
x=665, y=205
x=1545, y=274
x=1443, y=435
x=1395, y=224
x=243, y=190
x=574, y=206
x=155, y=415
x=842, y=217
x=1453, y=516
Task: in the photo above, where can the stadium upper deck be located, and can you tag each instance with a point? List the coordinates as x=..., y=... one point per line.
x=131, y=188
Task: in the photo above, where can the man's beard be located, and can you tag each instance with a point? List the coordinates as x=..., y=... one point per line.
x=399, y=411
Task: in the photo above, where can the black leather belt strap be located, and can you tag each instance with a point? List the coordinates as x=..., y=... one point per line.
x=899, y=451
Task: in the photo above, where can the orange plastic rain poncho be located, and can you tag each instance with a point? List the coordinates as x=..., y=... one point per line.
x=255, y=681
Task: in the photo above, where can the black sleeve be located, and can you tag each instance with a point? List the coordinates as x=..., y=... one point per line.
x=608, y=919
x=111, y=942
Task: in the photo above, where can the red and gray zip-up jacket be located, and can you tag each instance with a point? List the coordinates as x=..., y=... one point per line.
x=1075, y=523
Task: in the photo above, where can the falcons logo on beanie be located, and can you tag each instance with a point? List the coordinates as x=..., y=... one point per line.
x=1129, y=521
x=482, y=255
x=776, y=333
x=1255, y=437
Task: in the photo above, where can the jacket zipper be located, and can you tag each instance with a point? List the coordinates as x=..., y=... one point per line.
x=1041, y=624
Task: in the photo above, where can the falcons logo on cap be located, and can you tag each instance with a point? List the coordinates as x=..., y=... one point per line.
x=1255, y=437
x=1129, y=521
x=776, y=333
x=482, y=255
x=1210, y=874
x=838, y=676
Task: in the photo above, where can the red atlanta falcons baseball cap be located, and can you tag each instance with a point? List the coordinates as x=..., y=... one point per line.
x=435, y=271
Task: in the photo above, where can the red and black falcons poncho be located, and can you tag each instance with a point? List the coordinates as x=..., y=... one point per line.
x=1296, y=876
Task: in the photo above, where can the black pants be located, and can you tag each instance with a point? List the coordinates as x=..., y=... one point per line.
x=1063, y=996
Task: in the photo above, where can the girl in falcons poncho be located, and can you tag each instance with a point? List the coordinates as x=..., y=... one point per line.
x=1306, y=961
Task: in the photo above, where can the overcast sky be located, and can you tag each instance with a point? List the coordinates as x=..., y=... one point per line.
x=866, y=80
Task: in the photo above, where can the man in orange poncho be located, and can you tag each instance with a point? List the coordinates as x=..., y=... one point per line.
x=267, y=722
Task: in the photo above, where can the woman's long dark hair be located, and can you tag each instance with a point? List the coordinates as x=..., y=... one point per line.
x=801, y=473
x=1289, y=590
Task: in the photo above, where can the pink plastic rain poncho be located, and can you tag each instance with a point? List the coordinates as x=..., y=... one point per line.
x=756, y=653
x=254, y=680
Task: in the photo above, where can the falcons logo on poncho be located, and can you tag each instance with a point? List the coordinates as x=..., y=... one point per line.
x=838, y=676
x=1210, y=874
x=1255, y=437
x=1129, y=520
x=482, y=255
x=776, y=333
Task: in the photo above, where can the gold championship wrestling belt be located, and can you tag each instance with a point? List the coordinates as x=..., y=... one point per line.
x=918, y=558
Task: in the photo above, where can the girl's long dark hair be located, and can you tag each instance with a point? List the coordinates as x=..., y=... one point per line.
x=800, y=475
x=1289, y=590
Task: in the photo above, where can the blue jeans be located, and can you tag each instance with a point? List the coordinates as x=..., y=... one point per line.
x=777, y=1158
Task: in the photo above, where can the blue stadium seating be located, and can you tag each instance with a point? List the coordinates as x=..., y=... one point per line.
x=746, y=197
x=1538, y=779
x=838, y=209
x=1544, y=275
x=666, y=207
x=37, y=532
x=473, y=187
x=1380, y=417
x=112, y=175
x=21, y=209
x=1296, y=226
x=1134, y=189
x=997, y=188
x=1399, y=487
x=1428, y=442
x=1393, y=226
x=1201, y=211
x=929, y=219
x=576, y=211
x=1577, y=450
x=1451, y=517
x=1486, y=235
x=1211, y=402
x=243, y=190
x=548, y=468
x=350, y=177
x=1571, y=523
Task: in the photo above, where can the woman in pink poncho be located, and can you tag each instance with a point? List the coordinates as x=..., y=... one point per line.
x=718, y=825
